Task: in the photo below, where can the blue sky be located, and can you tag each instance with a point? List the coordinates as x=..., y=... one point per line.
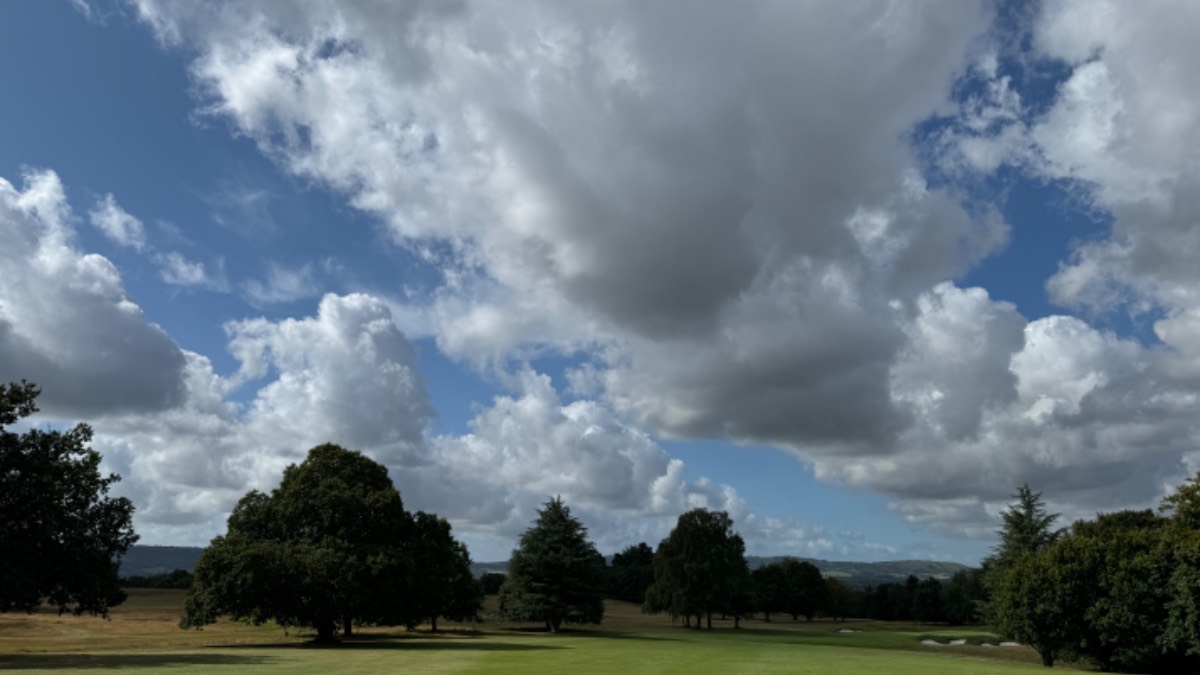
x=852, y=273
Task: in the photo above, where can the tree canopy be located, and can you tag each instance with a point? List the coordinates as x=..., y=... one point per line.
x=700, y=568
x=631, y=573
x=1118, y=592
x=442, y=582
x=61, y=535
x=555, y=575
x=326, y=546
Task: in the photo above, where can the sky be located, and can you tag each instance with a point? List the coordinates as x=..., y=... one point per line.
x=849, y=271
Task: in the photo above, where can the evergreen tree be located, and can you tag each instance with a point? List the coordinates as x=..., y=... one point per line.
x=1026, y=529
x=555, y=575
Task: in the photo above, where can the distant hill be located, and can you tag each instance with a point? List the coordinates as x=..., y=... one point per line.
x=863, y=574
x=151, y=560
x=146, y=561
x=853, y=574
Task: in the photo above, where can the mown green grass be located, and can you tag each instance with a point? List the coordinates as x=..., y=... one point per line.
x=142, y=637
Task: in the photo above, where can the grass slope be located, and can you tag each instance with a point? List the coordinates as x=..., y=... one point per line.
x=142, y=636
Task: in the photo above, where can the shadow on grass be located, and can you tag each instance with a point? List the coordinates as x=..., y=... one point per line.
x=153, y=662
x=609, y=635
x=414, y=643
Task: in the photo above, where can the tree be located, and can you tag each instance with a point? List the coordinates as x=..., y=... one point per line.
x=840, y=599
x=442, y=584
x=631, y=573
x=927, y=601
x=768, y=584
x=699, y=568
x=61, y=535
x=325, y=547
x=491, y=582
x=804, y=588
x=1026, y=528
x=555, y=575
x=963, y=595
x=1039, y=601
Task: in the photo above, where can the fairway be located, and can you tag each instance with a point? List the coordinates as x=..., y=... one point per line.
x=142, y=636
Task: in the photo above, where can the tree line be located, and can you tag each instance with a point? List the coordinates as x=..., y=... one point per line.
x=1120, y=591
x=333, y=548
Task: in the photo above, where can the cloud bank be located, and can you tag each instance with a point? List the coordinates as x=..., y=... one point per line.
x=723, y=214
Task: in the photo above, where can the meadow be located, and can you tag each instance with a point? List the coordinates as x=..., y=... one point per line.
x=142, y=635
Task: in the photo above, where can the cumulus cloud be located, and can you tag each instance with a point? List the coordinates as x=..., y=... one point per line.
x=648, y=192
x=117, y=224
x=66, y=322
x=741, y=240
x=348, y=375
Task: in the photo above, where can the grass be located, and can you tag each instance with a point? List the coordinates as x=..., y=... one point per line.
x=142, y=636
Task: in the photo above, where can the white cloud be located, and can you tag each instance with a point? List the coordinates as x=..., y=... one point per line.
x=740, y=238
x=348, y=375
x=66, y=322
x=117, y=224
x=175, y=269
x=283, y=285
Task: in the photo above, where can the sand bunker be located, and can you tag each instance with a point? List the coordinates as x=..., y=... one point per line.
x=848, y=630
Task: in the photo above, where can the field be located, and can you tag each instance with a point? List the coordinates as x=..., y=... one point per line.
x=142, y=636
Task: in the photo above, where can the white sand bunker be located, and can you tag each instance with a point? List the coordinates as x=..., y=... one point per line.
x=935, y=643
x=848, y=630
x=1010, y=644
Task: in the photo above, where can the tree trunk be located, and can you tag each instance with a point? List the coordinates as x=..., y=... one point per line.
x=1047, y=658
x=555, y=623
x=433, y=624
x=347, y=626
x=767, y=617
x=687, y=620
x=710, y=620
x=325, y=629
x=737, y=620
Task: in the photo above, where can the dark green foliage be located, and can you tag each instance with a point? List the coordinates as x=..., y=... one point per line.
x=491, y=582
x=324, y=548
x=555, y=574
x=1040, y=601
x=963, y=596
x=442, y=583
x=181, y=579
x=1119, y=592
x=803, y=588
x=700, y=568
x=927, y=604
x=61, y=536
x=631, y=573
x=928, y=600
x=840, y=599
x=1026, y=528
x=1183, y=507
x=769, y=588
